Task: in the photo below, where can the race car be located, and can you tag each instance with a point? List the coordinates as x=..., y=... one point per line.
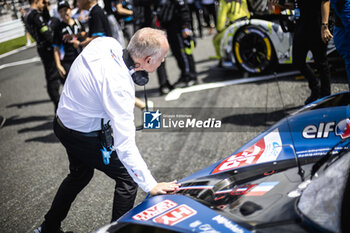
x=258, y=44
x=291, y=178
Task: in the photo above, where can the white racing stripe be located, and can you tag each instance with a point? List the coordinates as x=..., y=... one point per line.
x=176, y=93
x=17, y=63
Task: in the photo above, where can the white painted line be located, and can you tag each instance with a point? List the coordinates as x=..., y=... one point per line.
x=17, y=63
x=176, y=93
x=17, y=50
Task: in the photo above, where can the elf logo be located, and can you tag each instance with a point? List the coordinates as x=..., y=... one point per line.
x=342, y=129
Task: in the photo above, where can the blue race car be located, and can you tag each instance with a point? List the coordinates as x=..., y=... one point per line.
x=293, y=177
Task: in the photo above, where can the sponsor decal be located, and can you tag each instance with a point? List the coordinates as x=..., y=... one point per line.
x=343, y=128
x=323, y=129
x=265, y=150
x=262, y=188
x=315, y=152
x=248, y=190
x=176, y=215
x=198, y=226
x=152, y=120
x=195, y=224
x=207, y=228
x=155, y=210
x=242, y=189
x=228, y=224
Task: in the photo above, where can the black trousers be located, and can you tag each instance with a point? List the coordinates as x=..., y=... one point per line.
x=51, y=74
x=184, y=61
x=305, y=40
x=84, y=156
x=194, y=9
x=209, y=10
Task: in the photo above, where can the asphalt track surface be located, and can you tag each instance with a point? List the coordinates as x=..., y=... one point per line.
x=33, y=163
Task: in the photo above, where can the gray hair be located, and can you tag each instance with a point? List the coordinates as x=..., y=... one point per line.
x=146, y=42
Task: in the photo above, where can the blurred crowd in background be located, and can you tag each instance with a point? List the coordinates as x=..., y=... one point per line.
x=185, y=22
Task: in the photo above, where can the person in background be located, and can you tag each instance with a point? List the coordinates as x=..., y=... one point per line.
x=113, y=9
x=144, y=17
x=100, y=90
x=209, y=14
x=196, y=8
x=341, y=31
x=98, y=24
x=64, y=51
x=81, y=15
x=228, y=12
x=40, y=30
x=29, y=41
x=124, y=11
x=174, y=16
x=307, y=37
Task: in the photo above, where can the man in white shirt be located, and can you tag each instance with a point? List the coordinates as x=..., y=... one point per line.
x=100, y=85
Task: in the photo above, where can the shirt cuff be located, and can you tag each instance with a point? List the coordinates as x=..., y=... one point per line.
x=149, y=186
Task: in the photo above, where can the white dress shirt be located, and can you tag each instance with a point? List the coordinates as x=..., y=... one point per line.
x=99, y=86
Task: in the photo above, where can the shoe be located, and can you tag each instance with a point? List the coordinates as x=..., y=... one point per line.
x=311, y=98
x=220, y=65
x=181, y=83
x=185, y=82
x=41, y=229
x=38, y=230
x=2, y=121
x=192, y=82
x=165, y=89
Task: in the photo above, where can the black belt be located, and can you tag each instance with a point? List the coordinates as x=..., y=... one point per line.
x=90, y=134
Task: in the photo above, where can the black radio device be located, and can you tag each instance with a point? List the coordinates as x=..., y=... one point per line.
x=139, y=77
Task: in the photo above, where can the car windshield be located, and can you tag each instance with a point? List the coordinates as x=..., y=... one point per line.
x=322, y=199
x=332, y=101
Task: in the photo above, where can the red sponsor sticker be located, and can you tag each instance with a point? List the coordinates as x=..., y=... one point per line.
x=176, y=215
x=246, y=157
x=155, y=210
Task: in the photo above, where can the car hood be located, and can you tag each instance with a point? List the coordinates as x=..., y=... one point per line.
x=176, y=213
x=309, y=132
